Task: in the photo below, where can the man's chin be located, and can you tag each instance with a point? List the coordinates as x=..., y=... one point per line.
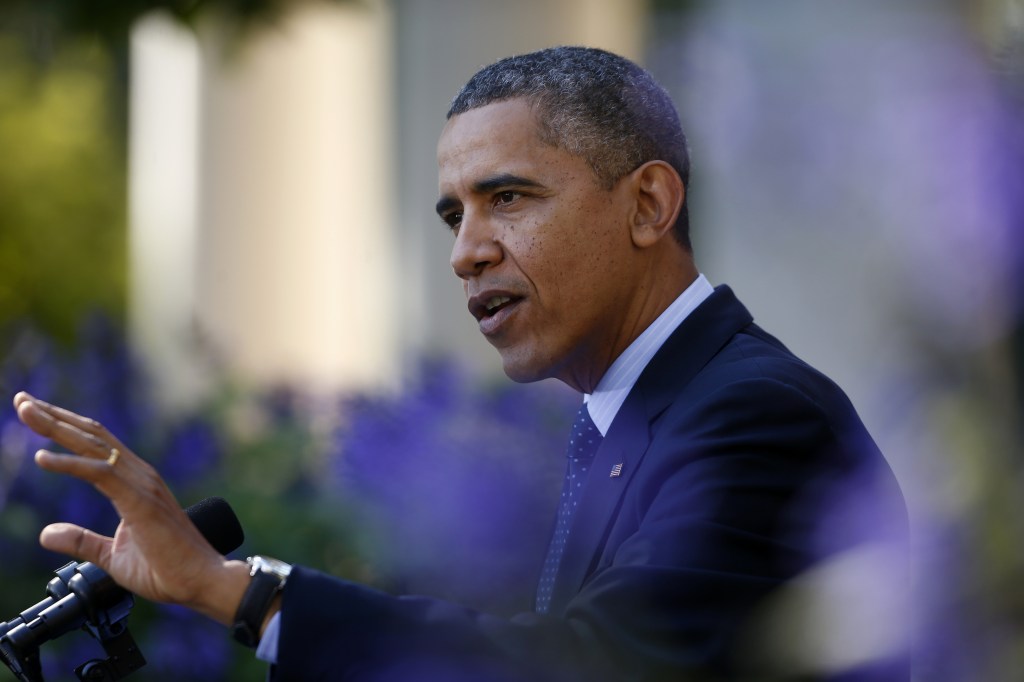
x=520, y=369
x=521, y=377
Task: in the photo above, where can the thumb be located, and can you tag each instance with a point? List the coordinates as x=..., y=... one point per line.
x=75, y=541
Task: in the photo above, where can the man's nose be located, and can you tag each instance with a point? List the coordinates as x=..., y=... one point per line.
x=476, y=247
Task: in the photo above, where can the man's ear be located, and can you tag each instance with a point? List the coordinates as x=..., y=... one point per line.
x=659, y=194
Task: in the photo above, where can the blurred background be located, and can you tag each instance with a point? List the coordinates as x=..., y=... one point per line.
x=217, y=237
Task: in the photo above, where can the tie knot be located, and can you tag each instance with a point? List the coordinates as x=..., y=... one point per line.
x=585, y=437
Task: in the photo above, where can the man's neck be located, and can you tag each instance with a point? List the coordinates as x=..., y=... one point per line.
x=621, y=376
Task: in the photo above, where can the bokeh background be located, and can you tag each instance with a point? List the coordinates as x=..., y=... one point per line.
x=217, y=238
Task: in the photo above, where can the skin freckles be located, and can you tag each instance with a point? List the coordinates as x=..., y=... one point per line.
x=533, y=223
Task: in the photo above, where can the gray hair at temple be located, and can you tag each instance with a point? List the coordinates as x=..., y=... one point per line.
x=593, y=104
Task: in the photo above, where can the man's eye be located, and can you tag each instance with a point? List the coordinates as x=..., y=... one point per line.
x=507, y=197
x=452, y=220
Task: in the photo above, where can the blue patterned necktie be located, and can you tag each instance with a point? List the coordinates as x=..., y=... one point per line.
x=583, y=443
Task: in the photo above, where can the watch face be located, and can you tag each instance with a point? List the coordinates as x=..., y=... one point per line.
x=270, y=565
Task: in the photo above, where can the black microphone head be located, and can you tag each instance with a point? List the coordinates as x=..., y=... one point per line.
x=217, y=522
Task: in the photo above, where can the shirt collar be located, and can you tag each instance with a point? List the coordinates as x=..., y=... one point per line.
x=604, y=403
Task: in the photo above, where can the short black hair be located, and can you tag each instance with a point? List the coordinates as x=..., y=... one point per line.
x=592, y=103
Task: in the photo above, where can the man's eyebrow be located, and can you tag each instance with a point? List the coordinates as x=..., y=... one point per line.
x=486, y=186
x=496, y=182
x=445, y=204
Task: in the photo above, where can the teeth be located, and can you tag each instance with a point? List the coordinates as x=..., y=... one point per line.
x=497, y=301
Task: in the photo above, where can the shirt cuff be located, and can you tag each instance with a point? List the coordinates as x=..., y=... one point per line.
x=267, y=649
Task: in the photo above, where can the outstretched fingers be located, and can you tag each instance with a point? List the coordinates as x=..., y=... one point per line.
x=100, y=457
x=102, y=473
x=81, y=435
x=67, y=538
x=133, y=486
x=156, y=552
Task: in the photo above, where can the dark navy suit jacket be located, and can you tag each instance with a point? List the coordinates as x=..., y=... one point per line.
x=739, y=467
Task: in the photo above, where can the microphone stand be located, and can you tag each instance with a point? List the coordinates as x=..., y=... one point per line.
x=84, y=596
x=81, y=596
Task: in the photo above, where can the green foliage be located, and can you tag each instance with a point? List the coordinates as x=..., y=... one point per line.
x=62, y=188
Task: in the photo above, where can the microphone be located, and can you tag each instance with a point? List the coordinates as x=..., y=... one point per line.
x=83, y=595
x=215, y=519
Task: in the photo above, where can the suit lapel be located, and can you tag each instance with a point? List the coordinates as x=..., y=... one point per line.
x=701, y=335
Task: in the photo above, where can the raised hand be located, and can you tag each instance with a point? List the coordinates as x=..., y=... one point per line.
x=156, y=551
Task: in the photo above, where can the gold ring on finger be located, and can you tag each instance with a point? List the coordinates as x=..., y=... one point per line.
x=115, y=454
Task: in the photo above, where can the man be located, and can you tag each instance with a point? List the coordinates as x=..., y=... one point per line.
x=710, y=468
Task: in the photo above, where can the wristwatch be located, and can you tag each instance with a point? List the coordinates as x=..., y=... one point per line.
x=268, y=578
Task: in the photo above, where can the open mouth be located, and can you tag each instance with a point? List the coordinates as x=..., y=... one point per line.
x=486, y=308
x=497, y=303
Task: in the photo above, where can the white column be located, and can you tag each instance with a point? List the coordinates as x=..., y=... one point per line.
x=297, y=271
x=261, y=202
x=163, y=200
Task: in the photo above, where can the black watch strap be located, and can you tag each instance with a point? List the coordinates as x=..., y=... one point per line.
x=256, y=601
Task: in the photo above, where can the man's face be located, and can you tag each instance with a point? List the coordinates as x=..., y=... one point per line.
x=543, y=250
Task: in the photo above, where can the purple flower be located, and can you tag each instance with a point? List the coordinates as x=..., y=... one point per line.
x=182, y=645
x=461, y=481
x=193, y=450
